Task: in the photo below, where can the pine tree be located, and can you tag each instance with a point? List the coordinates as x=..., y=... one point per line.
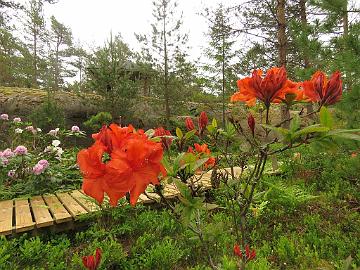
x=34, y=26
x=60, y=43
x=164, y=45
x=221, y=54
x=109, y=72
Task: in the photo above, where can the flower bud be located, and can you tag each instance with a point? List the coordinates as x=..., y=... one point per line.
x=189, y=124
x=203, y=121
x=251, y=124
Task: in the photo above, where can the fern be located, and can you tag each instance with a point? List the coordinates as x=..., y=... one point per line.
x=285, y=195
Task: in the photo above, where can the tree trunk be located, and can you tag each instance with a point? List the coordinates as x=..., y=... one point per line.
x=35, y=79
x=223, y=80
x=304, y=22
x=166, y=76
x=280, y=11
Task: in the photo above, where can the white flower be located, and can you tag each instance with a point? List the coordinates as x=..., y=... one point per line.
x=17, y=120
x=38, y=130
x=55, y=143
x=18, y=130
x=54, y=132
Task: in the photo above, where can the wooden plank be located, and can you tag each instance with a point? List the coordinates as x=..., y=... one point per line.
x=23, y=219
x=6, y=217
x=85, y=201
x=74, y=208
x=144, y=199
x=170, y=191
x=41, y=212
x=56, y=208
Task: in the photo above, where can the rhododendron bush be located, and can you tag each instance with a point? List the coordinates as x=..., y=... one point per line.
x=123, y=162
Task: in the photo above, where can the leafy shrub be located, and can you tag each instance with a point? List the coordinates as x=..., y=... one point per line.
x=162, y=255
x=97, y=121
x=48, y=115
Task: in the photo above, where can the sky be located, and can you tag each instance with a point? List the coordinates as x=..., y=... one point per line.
x=92, y=21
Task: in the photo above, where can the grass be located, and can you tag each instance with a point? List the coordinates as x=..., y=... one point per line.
x=307, y=223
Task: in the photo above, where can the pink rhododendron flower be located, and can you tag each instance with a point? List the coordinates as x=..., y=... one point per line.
x=7, y=153
x=75, y=129
x=4, y=161
x=4, y=116
x=44, y=163
x=38, y=169
x=17, y=120
x=11, y=173
x=20, y=150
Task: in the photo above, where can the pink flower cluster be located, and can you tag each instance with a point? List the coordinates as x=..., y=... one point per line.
x=40, y=167
x=4, y=117
x=20, y=150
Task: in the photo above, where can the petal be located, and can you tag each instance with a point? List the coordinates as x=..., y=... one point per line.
x=94, y=188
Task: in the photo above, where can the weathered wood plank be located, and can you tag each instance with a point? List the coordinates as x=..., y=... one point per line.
x=23, y=219
x=85, y=201
x=6, y=217
x=74, y=208
x=144, y=199
x=170, y=191
x=41, y=212
x=56, y=208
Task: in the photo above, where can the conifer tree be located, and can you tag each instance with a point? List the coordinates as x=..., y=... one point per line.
x=164, y=45
x=221, y=54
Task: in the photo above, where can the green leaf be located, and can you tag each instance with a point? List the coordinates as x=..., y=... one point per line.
x=295, y=124
x=184, y=190
x=310, y=129
x=214, y=123
x=179, y=133
x=190, y=133
x=282, y=131
x=349, y=136
x=325, y=118
x=199, y=163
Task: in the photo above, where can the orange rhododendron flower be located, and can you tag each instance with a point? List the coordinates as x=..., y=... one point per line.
x=135, y=162
x=326, y=92
x=94, y=173
x=203, y=150
x=272, y=88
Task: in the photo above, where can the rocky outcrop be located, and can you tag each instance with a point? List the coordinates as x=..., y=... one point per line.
x=22, y=101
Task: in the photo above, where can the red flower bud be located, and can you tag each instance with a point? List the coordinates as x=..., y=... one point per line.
x=203, y=121
x=249, y=254
x=161, y=132
x=189, y=124
x=237, y=251
x=91, y=262
x=251, y=124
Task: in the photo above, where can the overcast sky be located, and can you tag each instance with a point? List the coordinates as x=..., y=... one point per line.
x=92, y=21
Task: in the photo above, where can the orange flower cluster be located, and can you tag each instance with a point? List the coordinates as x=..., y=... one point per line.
x=131, y=164
x=274, y=87
x=203, y=151
x=319, y=89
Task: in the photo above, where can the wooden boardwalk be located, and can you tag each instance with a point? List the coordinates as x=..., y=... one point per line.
x=59, y=209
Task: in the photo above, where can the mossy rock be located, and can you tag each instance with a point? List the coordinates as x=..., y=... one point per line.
x=22, y=101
